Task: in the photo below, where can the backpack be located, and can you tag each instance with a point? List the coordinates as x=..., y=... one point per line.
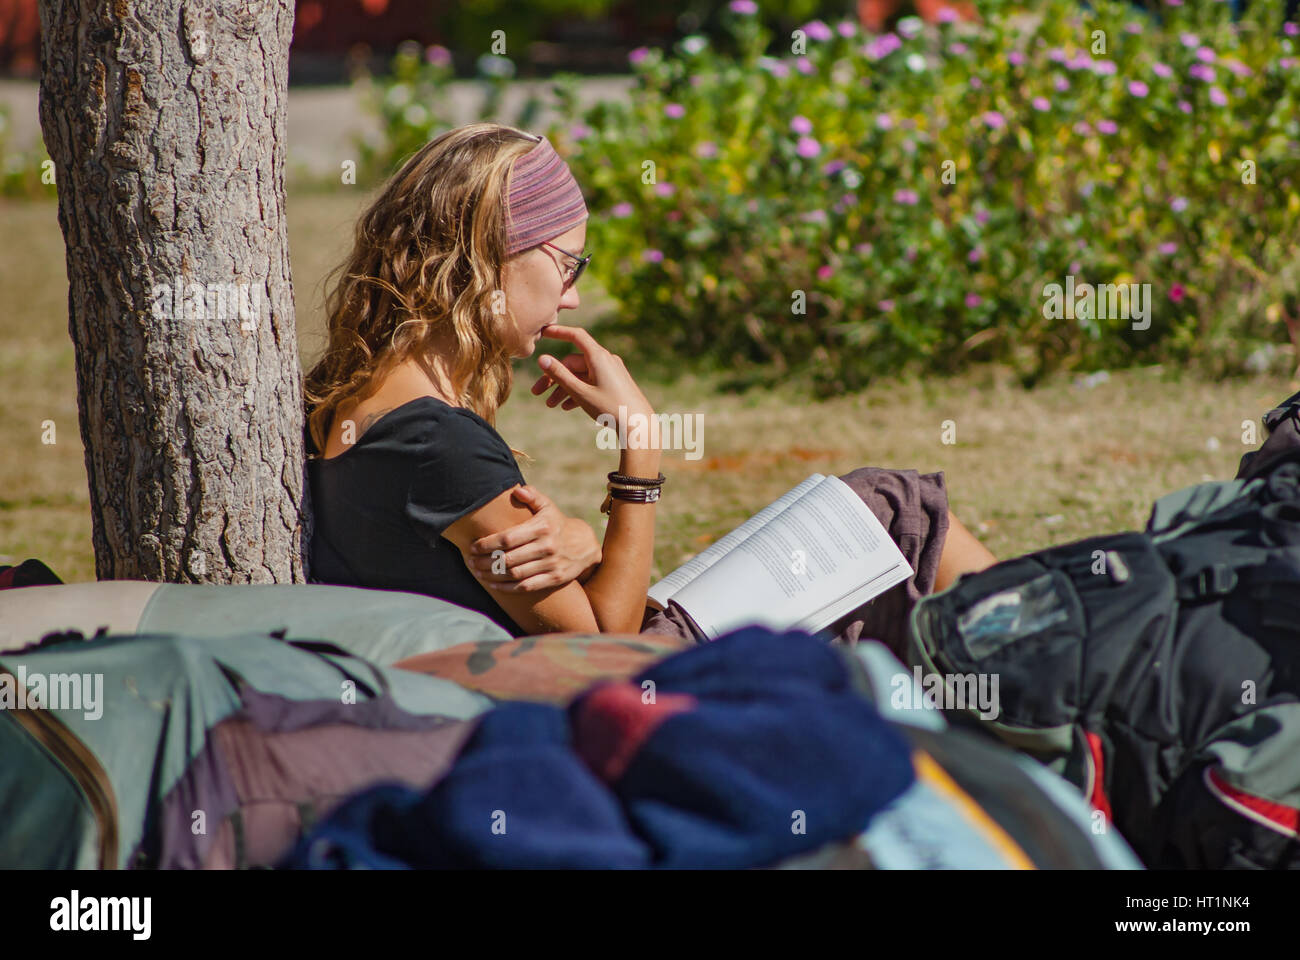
x=169, y=751
x=1158, y=671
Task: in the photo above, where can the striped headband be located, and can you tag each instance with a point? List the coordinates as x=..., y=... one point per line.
x=543, y=198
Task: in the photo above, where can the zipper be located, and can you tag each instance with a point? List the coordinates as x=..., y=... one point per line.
x=66, y=747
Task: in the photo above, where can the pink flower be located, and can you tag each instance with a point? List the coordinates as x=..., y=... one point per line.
x=1083, y=129
x=801, y=124
x=1079, y=62
x=807, y=148
x=885, y=306
x=907, y=198
x=1177, y=292
x=975, y=256
x=775, y=67
x=804, y=66
x=438, y=56
x=675, y=110
x=638, y=55
x=1201, y=72
x=1237, y=68
x=1189, y=40
x=973, y=300
x=957, y=49
x=621, y=210
x=825, y=272
x=1075, y=267
x=1291, y=29
x=1162, y=70
x=846, y=28
x=665, y=189
x=1168, y=249
x=1107, y=127
x=884, y=121
x=1178, y=204
x=834, y=167
x=994, y=120
x=1218, y=97
x=674, y=215
x=745, y=8
x=1015, y=57
x=818, y=30
x=846, y=201
x=947, y=15
x=864, y=249
x=1056, y=55
x=1133, y=27
x=982, y=216
x=1173, y=3
x=653, y=256
x=1104, y=68
x=976, y=83
x=1205, y=55
x=707, y=149
x=1138, y=88
x=1041, y=104
x=1061, y=84
x=579, y=131
x=1184, y=106
x=909, y=254
x=882, y=46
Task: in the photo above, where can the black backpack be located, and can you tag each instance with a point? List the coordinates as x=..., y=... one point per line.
x=1157, y=671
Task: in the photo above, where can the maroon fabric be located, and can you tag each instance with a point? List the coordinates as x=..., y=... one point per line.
x=913, y=507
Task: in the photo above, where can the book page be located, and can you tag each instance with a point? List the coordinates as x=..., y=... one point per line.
x=661, y=592
x=815, y=561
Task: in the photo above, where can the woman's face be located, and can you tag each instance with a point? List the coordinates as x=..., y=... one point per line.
x=535, y=291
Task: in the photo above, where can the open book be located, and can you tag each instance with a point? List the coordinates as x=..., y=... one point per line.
x=802, y=562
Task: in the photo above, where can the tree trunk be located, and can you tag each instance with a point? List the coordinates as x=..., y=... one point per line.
x=165, y=120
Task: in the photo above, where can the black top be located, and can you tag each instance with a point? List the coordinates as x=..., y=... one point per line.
x=381, y=506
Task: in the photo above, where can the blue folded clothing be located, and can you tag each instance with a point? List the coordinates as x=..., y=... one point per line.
x=734, y=754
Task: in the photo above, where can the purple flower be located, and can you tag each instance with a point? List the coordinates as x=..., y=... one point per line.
x=1286, y=63
x=1177, y=292
x=1237, y=68
x=745, y=8
x=884, y=121
x=775, y=67
x=1184, y=106
x=1218, y=97
x=975, y=256
x=1061, y=84
x=1056, y=55
x=1178, y=204
x=973, y=300
x=834, y=167
x=846, y=28
x=1291, y=29
x=665, y=189
x=801, y=124
x=1189, y=40
x=885, y=306
x=982, y=216
x=1075, y=267
x=706, y=149
x=621, y=210
x=579, y=131
x=1107, y=127
x=807, y=148
x=882, y=46
x=994, y=120
x=1201, y=72
x=1168, y=249
x=1205, y=55
x=907, y=198
x=946, y=15
x=1133, y=27
x=804, y=66
x=1041, y=104
x=864, y=249
x=817, y=30
x=1173, y=3
x=976, y=83
x=438, y=56
x=846, y=201
x=825, y=271
x=1162, y=70
x=957, y=49
x=909, y=254
x=1104, y=68
x=1083, y=129
x=638, y=55
x=675, y=110
x=814, y=216
x=1078, y=63
x=1138, y=88
x=653, y=256
x=1015, y=57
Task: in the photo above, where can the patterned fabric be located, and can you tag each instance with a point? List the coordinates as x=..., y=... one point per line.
x=543, y=198
x=548, y=669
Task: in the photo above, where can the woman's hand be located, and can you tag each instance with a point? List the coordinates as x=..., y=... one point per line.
x=594, y=379
x=547, y=551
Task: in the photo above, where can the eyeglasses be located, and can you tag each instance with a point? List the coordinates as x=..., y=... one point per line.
x=574, y=272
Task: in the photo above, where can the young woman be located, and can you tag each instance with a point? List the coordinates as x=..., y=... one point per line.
x=463, y=263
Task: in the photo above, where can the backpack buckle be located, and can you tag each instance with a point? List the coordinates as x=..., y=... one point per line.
x=1213, y=581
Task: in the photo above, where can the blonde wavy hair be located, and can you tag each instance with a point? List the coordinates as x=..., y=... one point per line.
x=427, y=258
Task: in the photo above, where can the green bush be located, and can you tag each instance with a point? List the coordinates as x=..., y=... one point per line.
x=21, y=171
x=915, y=194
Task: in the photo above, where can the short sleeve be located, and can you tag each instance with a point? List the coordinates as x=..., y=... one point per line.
x=464, y=464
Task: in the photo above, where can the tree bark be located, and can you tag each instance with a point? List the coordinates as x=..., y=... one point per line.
x=165, y=120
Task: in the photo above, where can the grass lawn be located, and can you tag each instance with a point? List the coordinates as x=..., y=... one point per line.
x=1028, y=469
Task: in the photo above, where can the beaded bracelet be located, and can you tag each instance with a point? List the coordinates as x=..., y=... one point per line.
x=631, y=489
